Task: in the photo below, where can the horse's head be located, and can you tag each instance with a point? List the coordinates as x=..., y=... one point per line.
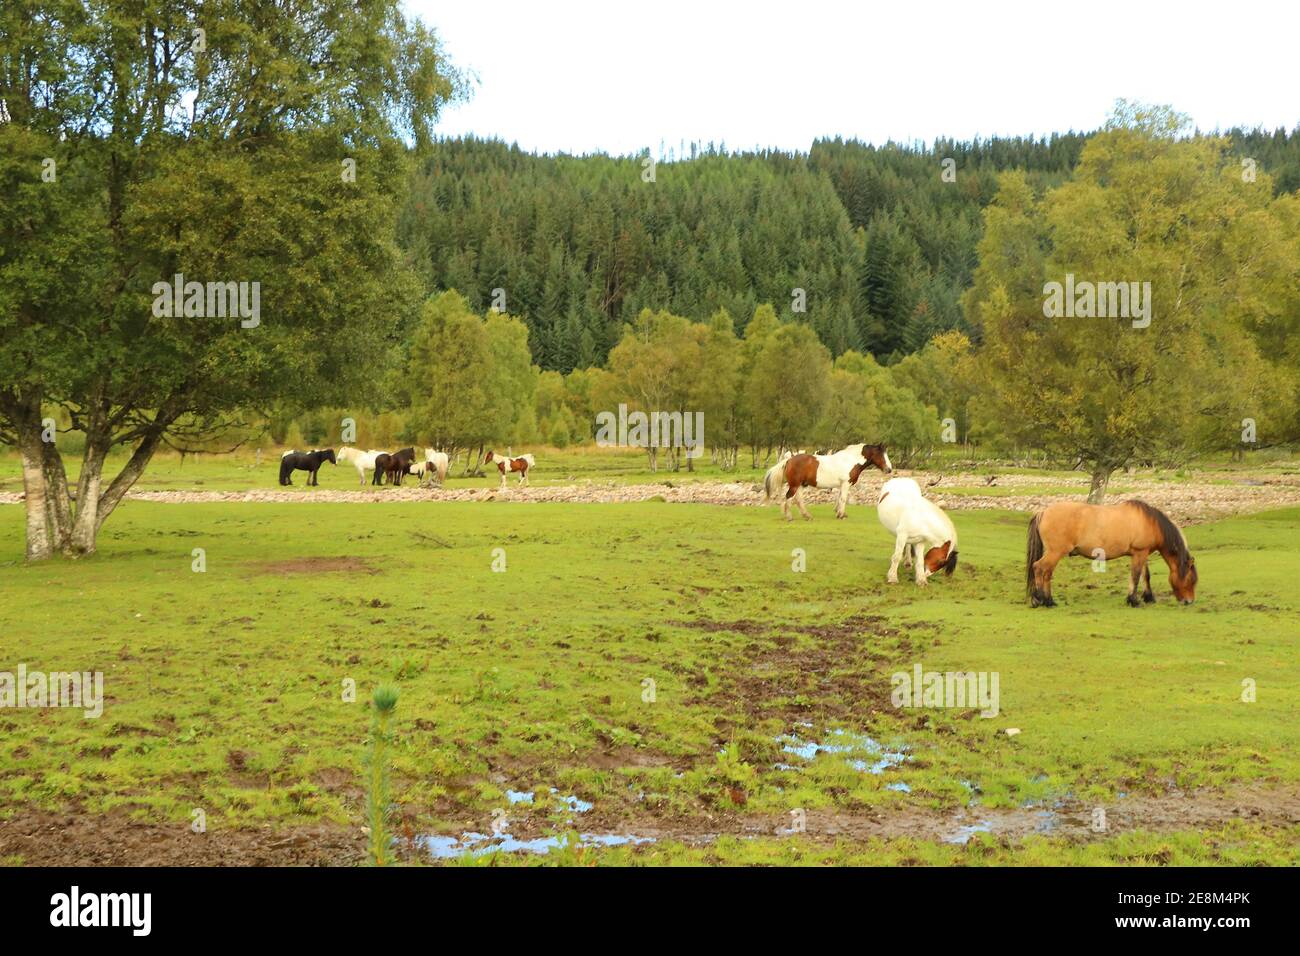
x=942, y=558
x=329, y=456
x=876, y=455
x=1182, y=580
x=488, y=458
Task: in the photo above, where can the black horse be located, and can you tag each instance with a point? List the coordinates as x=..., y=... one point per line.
x=393, y=466
x=399, y=465
x=309, y=461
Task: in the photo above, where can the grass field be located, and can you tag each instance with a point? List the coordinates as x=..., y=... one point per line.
x=524, y=691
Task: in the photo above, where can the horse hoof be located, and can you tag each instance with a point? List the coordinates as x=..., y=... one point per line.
x=893, y=580
x=1133, y=601
x=1148, y=598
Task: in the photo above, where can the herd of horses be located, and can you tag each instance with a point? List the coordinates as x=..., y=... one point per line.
x=925, y=537
x=380, y=467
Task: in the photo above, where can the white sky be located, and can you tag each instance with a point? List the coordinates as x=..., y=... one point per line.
x=623, y=75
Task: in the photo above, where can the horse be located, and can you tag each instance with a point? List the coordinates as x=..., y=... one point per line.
x=773, y=477
x=920, y=528
x=309, y=461
x=399, y=463
x=825, y=471
x=520, y=464
x=1107, y=531
x=439, y=461
x=363, y=461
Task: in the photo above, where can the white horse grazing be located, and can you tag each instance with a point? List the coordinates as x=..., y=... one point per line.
x=919, y=527
x=438, y=461
x=837, y=471
x=363, y=461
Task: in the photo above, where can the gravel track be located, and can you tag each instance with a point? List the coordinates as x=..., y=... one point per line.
x=1188, y=502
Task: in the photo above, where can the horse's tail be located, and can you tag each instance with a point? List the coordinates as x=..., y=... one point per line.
x=772, y=480
x=1033, y=551
x=950, y=565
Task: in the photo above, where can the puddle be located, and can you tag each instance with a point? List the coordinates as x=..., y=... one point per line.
x=868, y=754
x=480, y=844
x=963, y=834
x=575, y=804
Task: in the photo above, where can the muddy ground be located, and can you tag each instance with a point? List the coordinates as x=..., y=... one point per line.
x=113, y=839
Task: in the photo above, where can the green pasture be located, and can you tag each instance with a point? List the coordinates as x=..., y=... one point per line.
x=224, y=688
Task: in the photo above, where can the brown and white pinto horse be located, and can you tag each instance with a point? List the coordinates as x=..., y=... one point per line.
x=1107, y=531
x=836, y=471
x=504, y=465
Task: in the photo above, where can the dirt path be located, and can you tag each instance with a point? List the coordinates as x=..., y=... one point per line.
x=113, y=839
x=1186, y=502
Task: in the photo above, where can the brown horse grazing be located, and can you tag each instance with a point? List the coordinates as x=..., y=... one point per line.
x=836, y=471
x=1107, y=531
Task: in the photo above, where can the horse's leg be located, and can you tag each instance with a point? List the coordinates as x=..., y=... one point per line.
x=798, y=499
x=1043, y=569
x=900, y=546
x=1148, y=596
x=918, y=557
x=785, y=503
x=1136, y=564
x=842, y=499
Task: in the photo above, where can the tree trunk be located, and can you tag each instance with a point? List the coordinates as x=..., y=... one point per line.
x=1100, y=479
x=85, y=522
x=40, y=540
x=124, y=481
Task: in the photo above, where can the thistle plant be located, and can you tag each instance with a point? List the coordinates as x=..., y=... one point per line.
x=385, y=702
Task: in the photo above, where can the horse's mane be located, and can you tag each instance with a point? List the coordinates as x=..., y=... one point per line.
x=1169, y=531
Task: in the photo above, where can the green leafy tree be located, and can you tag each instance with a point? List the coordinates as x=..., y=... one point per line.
x=448, y=376
x=135, y=149
x=789, y=386
x=1143, y=205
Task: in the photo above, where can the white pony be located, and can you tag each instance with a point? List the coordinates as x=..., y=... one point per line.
x=363, y=461
x=438, y=461
x=919, y=527
x=837, y=471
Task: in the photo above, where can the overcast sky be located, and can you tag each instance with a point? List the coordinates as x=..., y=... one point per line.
x=624, y=75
